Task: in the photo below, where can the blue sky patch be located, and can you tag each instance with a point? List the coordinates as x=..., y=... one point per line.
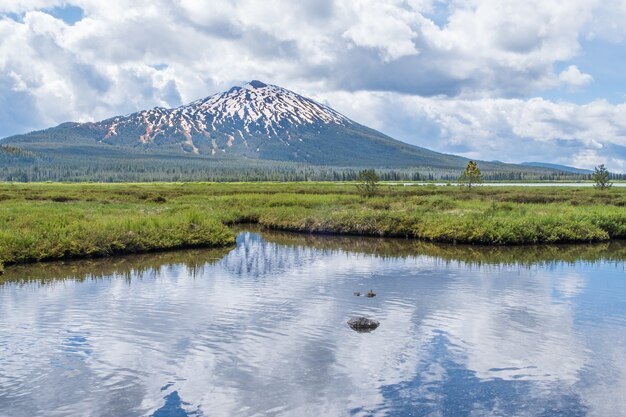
x=69, y=14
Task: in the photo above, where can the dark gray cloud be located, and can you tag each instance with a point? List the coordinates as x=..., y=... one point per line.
x=18, y=109
x=361, y=70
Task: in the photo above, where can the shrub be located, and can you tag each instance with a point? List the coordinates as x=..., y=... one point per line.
x=368, y=183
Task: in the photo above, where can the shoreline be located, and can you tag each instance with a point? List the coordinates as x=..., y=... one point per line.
x=445, y=250
x=315, y=234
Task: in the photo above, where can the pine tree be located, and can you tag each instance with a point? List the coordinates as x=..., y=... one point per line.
x=471, y=175
x=600, y=177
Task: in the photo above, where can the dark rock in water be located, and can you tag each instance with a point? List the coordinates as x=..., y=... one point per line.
x=363, y=324
x=370, y=294
x=358, y=294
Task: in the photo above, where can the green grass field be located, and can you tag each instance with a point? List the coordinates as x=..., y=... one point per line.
x=55, y=221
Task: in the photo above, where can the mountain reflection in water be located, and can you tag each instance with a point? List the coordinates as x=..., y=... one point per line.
x=261, y=329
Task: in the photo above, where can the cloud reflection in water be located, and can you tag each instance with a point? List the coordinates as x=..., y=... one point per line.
x=263, y=331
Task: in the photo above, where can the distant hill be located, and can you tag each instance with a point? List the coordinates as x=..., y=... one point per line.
x=556, y=167
x=256, y=122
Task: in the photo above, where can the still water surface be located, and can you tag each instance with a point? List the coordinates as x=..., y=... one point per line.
x=260, y=330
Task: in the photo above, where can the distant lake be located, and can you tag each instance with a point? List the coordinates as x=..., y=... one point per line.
x=260, y=330
x=518, y=184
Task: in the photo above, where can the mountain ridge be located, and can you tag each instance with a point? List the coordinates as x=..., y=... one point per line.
x=559, y=167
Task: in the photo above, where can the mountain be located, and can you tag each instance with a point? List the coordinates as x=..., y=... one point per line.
x=254, y=131
x=255, y=121
x=562, y=168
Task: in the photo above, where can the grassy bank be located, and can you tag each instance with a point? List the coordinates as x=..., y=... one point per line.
x=55, y=221
x=39, y=230
x=527, y=255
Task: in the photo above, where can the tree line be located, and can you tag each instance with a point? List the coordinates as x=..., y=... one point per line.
x=116, y=172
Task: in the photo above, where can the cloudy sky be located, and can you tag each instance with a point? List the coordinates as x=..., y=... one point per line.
x=538, y=80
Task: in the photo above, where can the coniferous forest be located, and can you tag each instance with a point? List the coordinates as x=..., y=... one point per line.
x=119, y=165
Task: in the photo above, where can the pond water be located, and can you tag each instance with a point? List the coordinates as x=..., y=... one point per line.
x=260, y=330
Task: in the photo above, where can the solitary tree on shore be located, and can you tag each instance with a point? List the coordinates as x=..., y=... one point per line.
x=600, y=178
x=471, y=175
x=368, y=182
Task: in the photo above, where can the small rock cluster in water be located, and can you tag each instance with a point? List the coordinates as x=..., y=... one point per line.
x=363, y=324
x=370, y=294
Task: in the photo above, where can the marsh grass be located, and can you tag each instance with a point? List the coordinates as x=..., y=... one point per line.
x=57, y=221
x=51, y=230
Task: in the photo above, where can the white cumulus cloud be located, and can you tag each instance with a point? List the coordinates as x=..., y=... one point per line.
x=484, y=59
x=573, y=77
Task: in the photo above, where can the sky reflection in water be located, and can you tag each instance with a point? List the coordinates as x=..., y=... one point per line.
x=261, y=330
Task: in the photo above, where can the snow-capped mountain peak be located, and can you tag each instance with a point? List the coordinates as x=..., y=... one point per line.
x=254, y=109
x=268, y=105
